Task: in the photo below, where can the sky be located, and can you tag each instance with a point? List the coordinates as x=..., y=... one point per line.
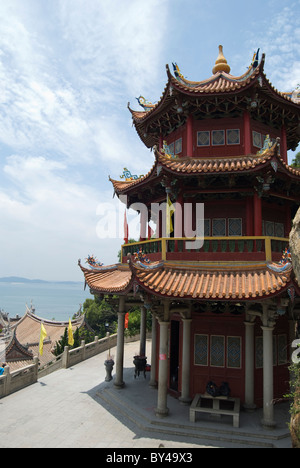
x=68, y=69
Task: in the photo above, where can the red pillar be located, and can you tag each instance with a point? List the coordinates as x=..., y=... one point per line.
x=161, y=142
x=247, y=133
x=283, y=144
x=257, y=212
x=249, y=217
x=189, y=136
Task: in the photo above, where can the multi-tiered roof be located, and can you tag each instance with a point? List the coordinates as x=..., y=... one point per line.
x=228, y=269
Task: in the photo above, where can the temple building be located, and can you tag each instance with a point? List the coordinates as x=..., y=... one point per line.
x=216, y=274
x=20, y=338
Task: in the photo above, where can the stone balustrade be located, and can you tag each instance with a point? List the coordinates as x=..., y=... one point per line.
x=11, y=382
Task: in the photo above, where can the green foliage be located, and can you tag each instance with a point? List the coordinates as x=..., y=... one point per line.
x=296, y=161
x=79, y=335
x=134, y=322
x=99, y=313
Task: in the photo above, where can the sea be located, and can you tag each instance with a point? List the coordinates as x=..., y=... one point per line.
x=52, y=301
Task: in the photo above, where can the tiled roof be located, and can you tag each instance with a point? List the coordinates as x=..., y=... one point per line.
x=203, y=165
x=27, y=331
x=219, y=83
x=215, y=282
x=193, y=281
x=114, y=278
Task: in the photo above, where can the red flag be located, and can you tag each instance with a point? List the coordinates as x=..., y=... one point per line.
x=125, y=229
x=126, y=320
x=150, y=232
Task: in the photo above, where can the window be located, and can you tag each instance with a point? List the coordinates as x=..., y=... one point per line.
x=219, y=227
x=256, y=139
x=206, y=227
x=219, y=354
x=178, y=146
x=218, y=137
x=234, y=352
x=234, y=226
x=279, y=229
x=217, y=351
x=203, y=138
x=273, y=229
x=201, y=350
x=233, y=136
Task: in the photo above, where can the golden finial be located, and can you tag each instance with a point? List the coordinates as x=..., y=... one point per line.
x=221, y=63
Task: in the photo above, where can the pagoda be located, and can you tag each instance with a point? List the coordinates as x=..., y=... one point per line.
x=218, y=282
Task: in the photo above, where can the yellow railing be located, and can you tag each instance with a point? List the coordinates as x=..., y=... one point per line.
x=228, y=244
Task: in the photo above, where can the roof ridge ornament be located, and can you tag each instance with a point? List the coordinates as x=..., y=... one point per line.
x=221, y=64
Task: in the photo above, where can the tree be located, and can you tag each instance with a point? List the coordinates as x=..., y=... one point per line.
x=100, y=315
x=296, y=161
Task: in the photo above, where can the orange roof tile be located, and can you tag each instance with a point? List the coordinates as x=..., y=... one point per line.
x=215, y=282
x=115, y=278
x=203, y=165
x=27, y=331
x=192, y=282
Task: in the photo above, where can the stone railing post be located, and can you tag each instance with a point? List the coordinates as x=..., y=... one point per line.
x=65, y=358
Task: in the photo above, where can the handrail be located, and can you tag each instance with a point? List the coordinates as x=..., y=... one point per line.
x=162, y=244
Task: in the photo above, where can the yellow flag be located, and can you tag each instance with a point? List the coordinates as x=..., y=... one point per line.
x=70, y=334
x=42, y=337
x=170, y=211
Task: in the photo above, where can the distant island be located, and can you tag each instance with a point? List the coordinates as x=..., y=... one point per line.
x=19, y=279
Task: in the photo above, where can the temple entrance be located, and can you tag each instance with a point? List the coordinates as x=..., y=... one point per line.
x=174, y=355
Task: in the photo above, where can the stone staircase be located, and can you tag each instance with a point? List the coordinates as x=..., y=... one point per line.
x=135, y=405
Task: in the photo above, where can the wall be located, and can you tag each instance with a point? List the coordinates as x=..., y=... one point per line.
x=12, y=382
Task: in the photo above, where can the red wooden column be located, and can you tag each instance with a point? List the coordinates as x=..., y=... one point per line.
x=283, y=144
x=189, y=136
x=257, y=215
x=161, y=142
x=247, y=132
x=249, y=217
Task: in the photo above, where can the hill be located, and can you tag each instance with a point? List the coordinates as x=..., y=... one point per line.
x=19, y=279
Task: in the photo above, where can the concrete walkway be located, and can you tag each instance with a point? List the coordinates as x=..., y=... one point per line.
x=75, y=407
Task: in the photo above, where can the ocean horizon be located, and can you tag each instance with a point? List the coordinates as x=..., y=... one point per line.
x=51, y=300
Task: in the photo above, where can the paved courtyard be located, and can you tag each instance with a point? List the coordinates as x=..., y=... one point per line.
x=75, y=407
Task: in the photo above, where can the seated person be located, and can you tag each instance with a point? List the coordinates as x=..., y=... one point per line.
x=2, y=368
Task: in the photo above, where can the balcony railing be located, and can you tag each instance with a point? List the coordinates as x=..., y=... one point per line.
x=258, y=248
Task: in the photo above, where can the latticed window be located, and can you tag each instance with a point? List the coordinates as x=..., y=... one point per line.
x=219, y=227
x=234, y=352
x=234, y=226
x=218, y=137
x=215, y=351
x=203, y=138
x=233, y=136
x=201, y=350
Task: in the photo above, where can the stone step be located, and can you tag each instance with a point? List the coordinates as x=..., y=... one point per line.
x=219, y=435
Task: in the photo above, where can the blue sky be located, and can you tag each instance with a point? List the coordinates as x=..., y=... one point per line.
x=68, y=68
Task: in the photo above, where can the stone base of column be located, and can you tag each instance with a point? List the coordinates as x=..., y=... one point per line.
x=249, y=407
x=153, y=383
x=268, y=424
x=185, y=401
x=161, y=413
x=119, y=384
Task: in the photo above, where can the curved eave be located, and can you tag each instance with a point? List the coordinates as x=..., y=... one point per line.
x=247, y=163
x=210, y=283
x=121, y=186
x=115, y=279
